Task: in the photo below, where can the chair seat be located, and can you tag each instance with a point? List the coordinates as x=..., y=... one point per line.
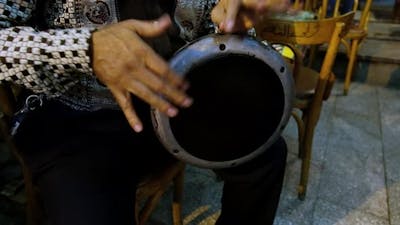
x=306, y=82
x=158, y=180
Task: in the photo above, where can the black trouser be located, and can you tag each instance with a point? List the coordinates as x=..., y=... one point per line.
x=87, y=164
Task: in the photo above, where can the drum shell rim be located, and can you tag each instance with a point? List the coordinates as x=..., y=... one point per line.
x=209, y=47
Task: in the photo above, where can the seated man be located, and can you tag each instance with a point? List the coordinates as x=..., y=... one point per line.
x=96, y=67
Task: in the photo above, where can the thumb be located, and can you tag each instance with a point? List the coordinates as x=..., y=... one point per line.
x=148, y=28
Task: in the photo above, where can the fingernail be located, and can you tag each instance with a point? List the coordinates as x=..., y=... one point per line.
x=172, y=112
x=138, y=128
x=229, y=25
x=187, y=102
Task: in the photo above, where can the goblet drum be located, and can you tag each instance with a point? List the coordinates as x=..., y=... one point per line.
x=243, y=94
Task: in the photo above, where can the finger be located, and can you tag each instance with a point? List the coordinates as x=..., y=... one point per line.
x=150, y=59
x=231, y=14
x=148, y=28
x=159, y=86
x=140, y=90
x=124, y=100
x=160, y=67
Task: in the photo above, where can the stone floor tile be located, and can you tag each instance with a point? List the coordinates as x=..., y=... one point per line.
x=362, y=218
x=327, y=213
x=390, y=121
x=350, y=178
x=291, y=210
x=392, y=161
x=377, y=204
x=394, y=202
x=356, y=132
x=295, y=211
x=361, y=100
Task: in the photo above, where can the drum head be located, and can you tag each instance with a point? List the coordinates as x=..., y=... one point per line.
x=240, y=106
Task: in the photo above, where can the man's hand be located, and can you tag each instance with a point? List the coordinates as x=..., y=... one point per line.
x=127, y=65
x=241, y=15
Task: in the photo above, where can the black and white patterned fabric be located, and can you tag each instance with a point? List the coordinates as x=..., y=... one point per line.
x=56, y=61
x=46, y=62
x=194, y=18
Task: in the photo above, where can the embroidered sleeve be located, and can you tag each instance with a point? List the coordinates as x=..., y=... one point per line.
x=43, y=61
x=194, y=18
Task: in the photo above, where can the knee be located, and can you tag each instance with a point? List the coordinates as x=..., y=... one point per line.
x=271, y=161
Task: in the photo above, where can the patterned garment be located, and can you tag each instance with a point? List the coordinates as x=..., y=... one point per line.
x=56, y=61
x=193, y=18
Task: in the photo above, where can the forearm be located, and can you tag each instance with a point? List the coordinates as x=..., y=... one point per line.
x=44, y=61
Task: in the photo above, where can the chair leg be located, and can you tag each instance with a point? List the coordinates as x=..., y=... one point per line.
x=300, y=132
x=149, y=206
x=350, y=65
x=303, y=122
x=177, y=198
x=306, y=160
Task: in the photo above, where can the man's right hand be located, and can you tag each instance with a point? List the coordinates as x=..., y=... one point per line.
x=127, y=65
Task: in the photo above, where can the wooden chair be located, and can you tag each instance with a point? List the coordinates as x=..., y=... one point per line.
x=148, y=194
x=353, y=39
x=312, y=87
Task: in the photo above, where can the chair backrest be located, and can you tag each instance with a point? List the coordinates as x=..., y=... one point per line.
x=308, y=32
x=303, y=32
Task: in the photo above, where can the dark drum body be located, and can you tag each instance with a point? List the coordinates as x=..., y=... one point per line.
x=243, y=95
